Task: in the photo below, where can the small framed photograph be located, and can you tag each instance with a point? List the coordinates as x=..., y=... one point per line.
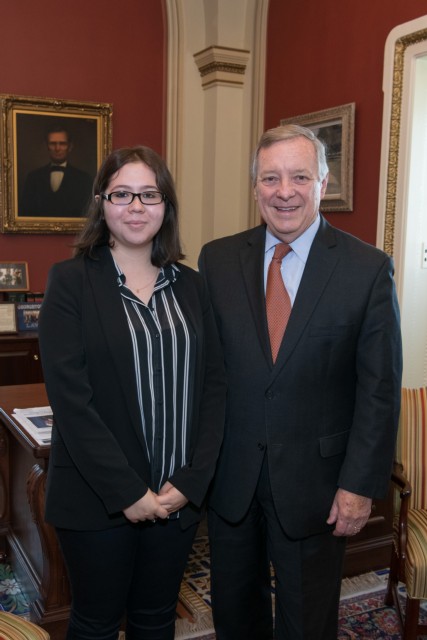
x=335, y=128
x=8, y=323
x=28, y=315
x=14, y=276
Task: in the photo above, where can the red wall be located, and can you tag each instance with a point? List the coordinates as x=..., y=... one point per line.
x=320, y=55
x=90, y=51
x=325, y=54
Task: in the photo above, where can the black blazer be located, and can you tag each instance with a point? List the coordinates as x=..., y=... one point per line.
x=98, y=465
x=327, y=411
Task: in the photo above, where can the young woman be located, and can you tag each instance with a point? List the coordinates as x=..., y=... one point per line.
x=134, y=375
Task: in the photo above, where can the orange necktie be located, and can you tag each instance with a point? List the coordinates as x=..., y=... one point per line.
x=277, y=299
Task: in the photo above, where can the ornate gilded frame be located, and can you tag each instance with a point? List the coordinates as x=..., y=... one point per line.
x=22, y=147
x=393, y=152
x=336, y=128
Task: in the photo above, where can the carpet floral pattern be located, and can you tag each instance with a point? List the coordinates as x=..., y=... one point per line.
x=365, y=616
x=362, y=613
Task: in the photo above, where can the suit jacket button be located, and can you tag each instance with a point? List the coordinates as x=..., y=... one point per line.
x=269, y=395
x=261, y=446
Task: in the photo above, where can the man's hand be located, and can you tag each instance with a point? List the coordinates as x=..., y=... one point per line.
x=349, y=512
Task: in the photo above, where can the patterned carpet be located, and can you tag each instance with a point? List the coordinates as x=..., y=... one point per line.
x=362, y=612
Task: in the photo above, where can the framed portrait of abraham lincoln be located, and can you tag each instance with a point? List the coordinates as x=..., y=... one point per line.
x=50, y=152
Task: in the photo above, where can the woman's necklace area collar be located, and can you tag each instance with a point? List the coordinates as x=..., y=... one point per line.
x=145, y=286
x=164, y=275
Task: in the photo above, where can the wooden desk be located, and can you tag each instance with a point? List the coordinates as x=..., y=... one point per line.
x=31, y=544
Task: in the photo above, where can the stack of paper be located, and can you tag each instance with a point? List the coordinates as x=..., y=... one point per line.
x=37, y=421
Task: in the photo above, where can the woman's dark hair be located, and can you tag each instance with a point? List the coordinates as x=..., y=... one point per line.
x=166, y=243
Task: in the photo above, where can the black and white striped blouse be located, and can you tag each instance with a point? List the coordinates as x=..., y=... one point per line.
x=164, y=348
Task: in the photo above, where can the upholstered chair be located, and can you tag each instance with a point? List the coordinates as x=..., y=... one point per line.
x=13, y=627
x=409, y=551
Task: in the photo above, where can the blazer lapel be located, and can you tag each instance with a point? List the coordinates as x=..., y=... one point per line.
x=320, y=265
x=252, y=265
x=106, y=293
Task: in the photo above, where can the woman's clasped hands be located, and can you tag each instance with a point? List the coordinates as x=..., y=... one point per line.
x=152, y=505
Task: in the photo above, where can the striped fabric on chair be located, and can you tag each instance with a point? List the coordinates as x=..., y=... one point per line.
x=14, y=627
x=416, y=559
x=412, y=454
x=412, y=444
x=409, y=550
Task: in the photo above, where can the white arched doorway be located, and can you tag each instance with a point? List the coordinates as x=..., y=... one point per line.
x=402, y=215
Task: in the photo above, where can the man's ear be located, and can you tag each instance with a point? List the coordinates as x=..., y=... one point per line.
x=324, y=186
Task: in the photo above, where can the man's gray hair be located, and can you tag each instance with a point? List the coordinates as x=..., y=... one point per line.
x=288, y=132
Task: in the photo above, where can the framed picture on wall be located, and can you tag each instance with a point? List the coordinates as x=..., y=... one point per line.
x=14, y=276
x=50, y=151
x=335, y=127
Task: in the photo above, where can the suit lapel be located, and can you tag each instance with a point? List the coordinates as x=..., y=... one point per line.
x=321, y=263
x=252, y=265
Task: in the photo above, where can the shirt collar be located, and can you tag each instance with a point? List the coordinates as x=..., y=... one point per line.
x=168, y=275
x=301, y=246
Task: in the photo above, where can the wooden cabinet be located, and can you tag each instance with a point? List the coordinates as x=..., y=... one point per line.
x=20, y=359
x=30, y=543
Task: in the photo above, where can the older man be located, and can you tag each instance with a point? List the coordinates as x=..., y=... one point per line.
x=312, y=406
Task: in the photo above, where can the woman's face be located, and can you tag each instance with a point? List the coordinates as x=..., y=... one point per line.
x=133, y=225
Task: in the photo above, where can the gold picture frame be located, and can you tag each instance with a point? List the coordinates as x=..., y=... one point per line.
x=32, y=131
x=335, y=127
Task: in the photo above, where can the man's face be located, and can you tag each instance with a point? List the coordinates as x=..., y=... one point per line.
x=58, y=146
x=288, y=189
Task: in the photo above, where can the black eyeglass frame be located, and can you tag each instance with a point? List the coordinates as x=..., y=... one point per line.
x=107, y=196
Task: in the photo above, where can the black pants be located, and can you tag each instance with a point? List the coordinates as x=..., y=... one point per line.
x=308, y=576
x=132, y=570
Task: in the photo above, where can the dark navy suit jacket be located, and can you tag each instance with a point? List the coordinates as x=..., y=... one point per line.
x=326, y=412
